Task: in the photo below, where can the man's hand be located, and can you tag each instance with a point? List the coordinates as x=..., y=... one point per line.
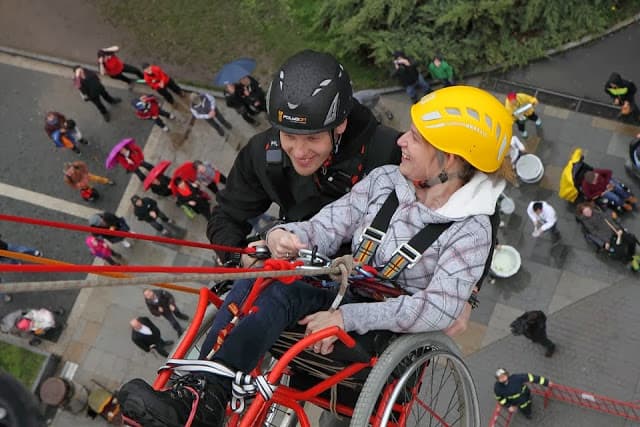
x=513, y=409
x=461, y=323
x=153, y=214
x=247, y=261
x=616, y=101
x=172, y=307
x=161, y=310
x=321, y=320
x=284, y=244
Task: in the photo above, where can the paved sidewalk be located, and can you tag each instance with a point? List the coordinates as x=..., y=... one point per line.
x=553, y=277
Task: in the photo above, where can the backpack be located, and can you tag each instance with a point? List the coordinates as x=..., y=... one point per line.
x=519, y=326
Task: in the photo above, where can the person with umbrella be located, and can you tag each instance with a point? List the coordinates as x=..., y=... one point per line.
x=129, y=155
x=158, y=80
x=242, y=92
x=148, y=108
x=157, y=181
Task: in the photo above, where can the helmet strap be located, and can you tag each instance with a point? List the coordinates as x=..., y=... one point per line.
x=442, y=177
x=335, y=141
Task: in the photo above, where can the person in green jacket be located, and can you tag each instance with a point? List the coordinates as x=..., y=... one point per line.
x=441, y=70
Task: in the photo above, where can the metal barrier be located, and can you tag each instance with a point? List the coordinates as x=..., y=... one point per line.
x=501, y=417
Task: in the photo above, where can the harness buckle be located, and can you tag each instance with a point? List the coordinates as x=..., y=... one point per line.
x=373, y=234
x=409, y=253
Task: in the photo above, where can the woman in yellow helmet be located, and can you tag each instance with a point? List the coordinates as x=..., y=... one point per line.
x=447, y=180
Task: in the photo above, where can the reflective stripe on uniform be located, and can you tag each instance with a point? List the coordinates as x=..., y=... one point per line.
x=542, y=381
x=525, y=404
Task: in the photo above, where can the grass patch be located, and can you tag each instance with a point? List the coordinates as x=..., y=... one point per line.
x=23, y=364
x=202, y=35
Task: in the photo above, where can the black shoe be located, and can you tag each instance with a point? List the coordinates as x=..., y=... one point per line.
x=220, y=131
x=227, y=125
x=115, y=100
x=106, y=116
x=550, y=351
x=181, y=315
x=150, y=408
x=75, y=150
x=84, y=141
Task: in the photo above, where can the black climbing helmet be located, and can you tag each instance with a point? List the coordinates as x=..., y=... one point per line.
x=311, y=93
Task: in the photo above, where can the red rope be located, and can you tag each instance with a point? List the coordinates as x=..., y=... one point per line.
x=86, y=268
x=106, y=231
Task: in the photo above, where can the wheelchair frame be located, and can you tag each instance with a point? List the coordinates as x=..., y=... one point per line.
x=417, y=354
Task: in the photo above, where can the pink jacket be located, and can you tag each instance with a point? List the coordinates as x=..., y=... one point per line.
x=98, y=247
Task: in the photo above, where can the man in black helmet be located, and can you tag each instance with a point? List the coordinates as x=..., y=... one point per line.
x=322, y=142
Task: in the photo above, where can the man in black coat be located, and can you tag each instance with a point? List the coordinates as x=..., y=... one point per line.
x=533, y=325
x=92, y=89
x=322, y=142
x=146, y=335
x=146, y=209
x=161, y=303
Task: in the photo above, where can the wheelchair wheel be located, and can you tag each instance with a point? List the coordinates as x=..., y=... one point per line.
x=419, y=380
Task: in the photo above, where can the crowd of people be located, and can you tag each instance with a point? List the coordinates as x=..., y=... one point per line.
x=332, y=169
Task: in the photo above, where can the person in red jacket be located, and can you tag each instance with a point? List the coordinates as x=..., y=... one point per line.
x=113, y=66
x=148, y=108
x=131, y=158
x=599, y=183
x=158, y=80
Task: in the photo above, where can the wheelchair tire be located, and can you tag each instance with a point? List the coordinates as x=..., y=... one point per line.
x=413, y=373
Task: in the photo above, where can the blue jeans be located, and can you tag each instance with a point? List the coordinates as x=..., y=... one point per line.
x=419, y=89
x=20, y=249
x=618, y=195
x=279, y=306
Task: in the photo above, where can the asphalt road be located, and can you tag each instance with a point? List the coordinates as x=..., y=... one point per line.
x=30, y=161
x=582, y=72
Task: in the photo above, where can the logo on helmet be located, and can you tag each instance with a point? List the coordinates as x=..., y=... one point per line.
x=282, y=117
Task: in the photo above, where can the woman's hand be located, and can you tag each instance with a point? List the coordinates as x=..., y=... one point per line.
x=284, y=244
x=321, y=320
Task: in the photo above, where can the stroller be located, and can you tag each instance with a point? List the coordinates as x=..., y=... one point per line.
x=571, y=180
x=31, y=322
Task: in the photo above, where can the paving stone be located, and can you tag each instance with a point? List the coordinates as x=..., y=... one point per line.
x=75, y=352
x=573, y=287
x=559, y=113
x=89, y=333
x=619, y=146
x=498, y=326
x=471, y=339
x=551, y=178
x=531, y=288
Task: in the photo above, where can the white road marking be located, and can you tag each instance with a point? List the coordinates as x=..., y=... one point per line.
x=46, y=201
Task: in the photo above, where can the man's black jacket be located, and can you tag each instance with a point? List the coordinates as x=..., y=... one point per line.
x=146, y=341
x=250, y=189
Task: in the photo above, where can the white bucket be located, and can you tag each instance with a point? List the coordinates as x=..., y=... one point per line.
x=507, y=205
x=506, y=261
x=529, y=168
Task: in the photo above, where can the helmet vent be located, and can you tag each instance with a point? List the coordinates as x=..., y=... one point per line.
x=473, y=113
x=333, y=110
x=503, y=146
x=498, y=132
x=292, y=106
x=489, y=121
x=433, y=115
x=281, y=79
x=453, y=111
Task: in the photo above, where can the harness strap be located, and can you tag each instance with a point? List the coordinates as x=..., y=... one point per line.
x=374, y=233
x=243, y=385
x=408, y=254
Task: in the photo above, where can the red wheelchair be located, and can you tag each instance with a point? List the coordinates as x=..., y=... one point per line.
x=377, y=379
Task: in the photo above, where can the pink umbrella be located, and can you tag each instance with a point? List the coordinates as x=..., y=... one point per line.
x=154, y=173
x=111, y=158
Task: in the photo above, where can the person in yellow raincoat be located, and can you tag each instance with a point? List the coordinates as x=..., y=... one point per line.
x=516, y=103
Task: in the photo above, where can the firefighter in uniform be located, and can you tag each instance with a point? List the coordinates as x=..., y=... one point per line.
x=512, y=391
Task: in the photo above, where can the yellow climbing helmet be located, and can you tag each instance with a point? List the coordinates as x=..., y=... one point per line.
x=466, y=121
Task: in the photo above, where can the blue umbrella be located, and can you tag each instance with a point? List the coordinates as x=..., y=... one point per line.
x=234, y=71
